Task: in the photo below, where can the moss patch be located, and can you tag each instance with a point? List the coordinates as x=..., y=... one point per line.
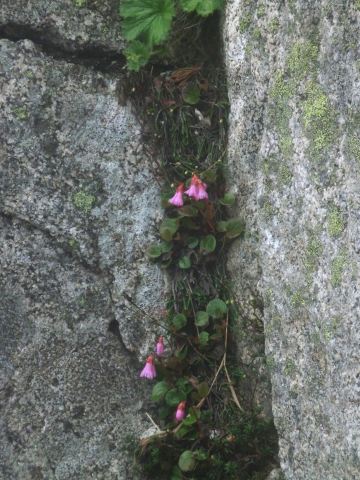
x=245, y=23
x=314, y=249
x=354, y=147
x=337, y=268
x=84, y=201
x=302, y=61
x=319, y=118
x=21, y=113
x=335, y=222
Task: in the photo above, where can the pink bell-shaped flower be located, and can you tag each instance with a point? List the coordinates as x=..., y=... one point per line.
x=202, y=193
x=160, y=346
x=177, y=199
x=149, y=370
x=193, y=190
x=197, y=189
x=180, y=411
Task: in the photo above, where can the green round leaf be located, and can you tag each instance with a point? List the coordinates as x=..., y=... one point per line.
x=179, y=321
x=154, y=251
x=216, y=308
x=203, y=338
x=208, y=243
x=221, y=226
x=202, y=319
x=184, y=262
x=192, y=242
x=228, y=199
x=187, y=211
x=187, y=461
x=168, y=228
x=159, y=390
x=173, y=397
x=234, y=228
x=166, y=247
x=191, y=94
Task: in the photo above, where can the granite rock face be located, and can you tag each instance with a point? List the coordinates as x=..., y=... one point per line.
x=294, y=161
x=79, y=206
x=72, y=25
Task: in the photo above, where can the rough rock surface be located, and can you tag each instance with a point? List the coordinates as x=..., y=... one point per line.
x=72, y=25
x=294, y=160
x=78, y=206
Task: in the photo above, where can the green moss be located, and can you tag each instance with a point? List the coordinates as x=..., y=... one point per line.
x=337, y=268
x=280, y=112
x=357, y=4
x=21, y=113
x=354, y=147
x=257, y=33
x=260, y=11
x=290, y=368
x=84, y=201
x=274, y=26
x=280, y=89
x=245, y=23
x=80, y=3
x=297, y=299
x=319, y=118
x=268, y=210
x=313, y=252
x=285, y=175
x=302, y=60
x=335, y=222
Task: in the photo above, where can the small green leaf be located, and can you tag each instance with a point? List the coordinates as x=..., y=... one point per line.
x=192, y=242
x=221, y=226
x=202, y=319
x=191, y=94
x=184, y=262
x=202, y=7
x=168, y=228
x=216, y=308
x=154, y=251
x=204, y=338
x=190, y=420
x=179, y=321
x=208, y=243
x=234, y=228
x=203, y=389
x=182, y=352
x=184, y=386
x=159, y=391
x=137, y=55
x=188, y=211
x=176, y=474
x=173, y=397
x=228, y=199
x=166, y=247
x=187, y=461
x=201, y=454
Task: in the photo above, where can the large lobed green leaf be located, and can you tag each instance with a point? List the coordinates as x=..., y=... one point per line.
x=201, y=7
x=150, y=19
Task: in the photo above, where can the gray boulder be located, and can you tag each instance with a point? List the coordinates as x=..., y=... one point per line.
x=79, y=206
x=294, y=153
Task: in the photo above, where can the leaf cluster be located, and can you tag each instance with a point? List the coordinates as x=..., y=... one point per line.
x=147, y=23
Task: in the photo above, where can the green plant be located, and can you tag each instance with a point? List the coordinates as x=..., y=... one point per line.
x=205, y=427
x=147, y=23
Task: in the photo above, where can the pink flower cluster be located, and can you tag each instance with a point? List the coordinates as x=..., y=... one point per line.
x=149, y=372
x=196, y=191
